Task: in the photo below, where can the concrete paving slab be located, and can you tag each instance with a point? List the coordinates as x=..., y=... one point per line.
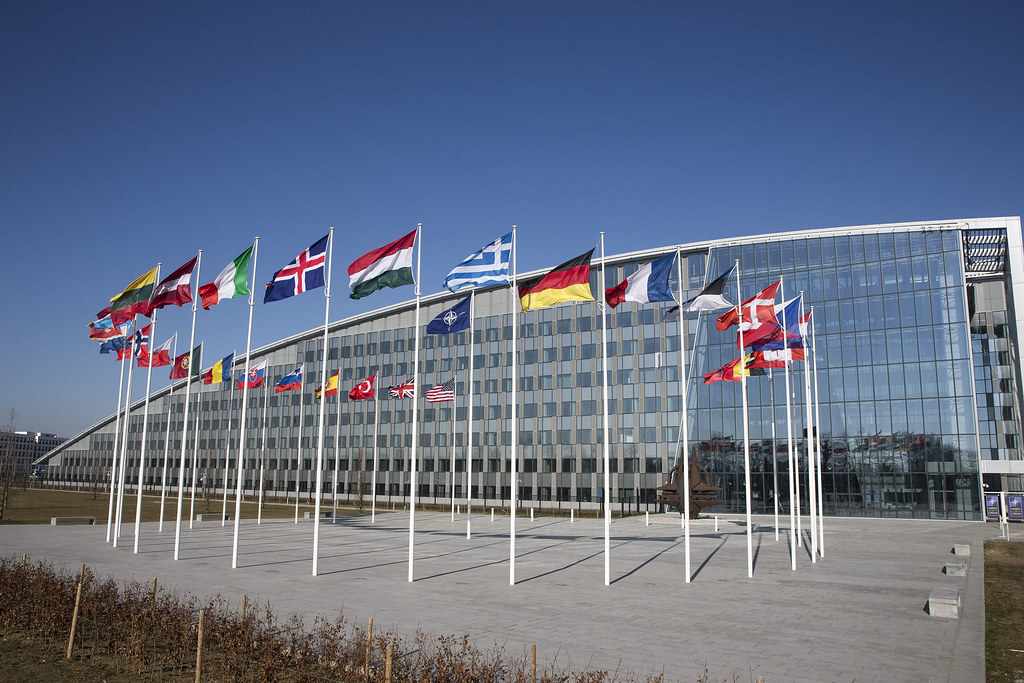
x=857, y=614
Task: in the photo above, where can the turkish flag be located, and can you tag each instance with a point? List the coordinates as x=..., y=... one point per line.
x=364, y=389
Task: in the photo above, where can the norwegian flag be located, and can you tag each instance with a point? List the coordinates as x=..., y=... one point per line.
x=305, y=272
x=406, y=389
x=142, y=342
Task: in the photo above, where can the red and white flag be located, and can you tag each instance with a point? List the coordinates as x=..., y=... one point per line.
x=441, y=392
x=161, y=354
x=364, y=389
x=175, y=289
x=775, y=358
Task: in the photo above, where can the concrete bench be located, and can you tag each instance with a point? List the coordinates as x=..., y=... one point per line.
x=944, y=602
x=54, y=521
x=957, y=566
x=212, y=517
x=324, y=514
x=961, y=548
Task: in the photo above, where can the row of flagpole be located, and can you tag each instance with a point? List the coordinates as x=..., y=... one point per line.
x=118, y=472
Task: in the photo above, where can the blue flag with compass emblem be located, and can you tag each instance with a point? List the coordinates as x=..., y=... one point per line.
x=454, y=319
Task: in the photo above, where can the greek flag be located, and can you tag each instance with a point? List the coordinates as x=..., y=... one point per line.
x=486, y=266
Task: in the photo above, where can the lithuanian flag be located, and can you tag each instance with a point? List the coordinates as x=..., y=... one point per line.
x=221, y=372
x=134, y=299
x=567, y=282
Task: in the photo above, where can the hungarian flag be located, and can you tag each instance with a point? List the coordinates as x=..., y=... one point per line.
x=221, y=370
x=175, y=289
x=187, y=361
x=290, y=382
x=710, y=298
x=567, y=282
x=332, y=386
x=134, y=299
x=364, y=389
x=733, y=371
x=232, y=282
x=646, y=285
x=257, y=373
x=406, y=389
x=161, y=355
x=388, y=266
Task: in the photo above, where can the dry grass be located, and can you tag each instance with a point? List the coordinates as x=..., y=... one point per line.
x=1004, y=611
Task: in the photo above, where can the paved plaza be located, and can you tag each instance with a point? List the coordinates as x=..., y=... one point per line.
x=859, y=614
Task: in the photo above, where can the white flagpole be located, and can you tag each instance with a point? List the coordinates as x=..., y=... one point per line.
x=241, y=420
x=124, y=434
x=684, y=492
x=376, y=423
x=794, y=539
x=227, y=453
x=263, y=447
x=195, y=453
x=145, y=424
x=323, y=406
x=415, y=402
x=603, y=310
x=184, y=419
x=811, y=495
x=116, y=452
x=817, y=442
x=454, y=394
x=746, y=432
x=515, y=423
x=337, y=457
x=775, y=468
x=469, y=421
x=302, y=427
x=167, y=440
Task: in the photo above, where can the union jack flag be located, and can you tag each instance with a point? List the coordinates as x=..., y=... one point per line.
x=302, y=274
x=406, y=389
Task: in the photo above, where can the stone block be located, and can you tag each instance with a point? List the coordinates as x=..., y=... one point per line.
x=944, y=602
x=212, y=517
x=961, y=548
x=957, y=566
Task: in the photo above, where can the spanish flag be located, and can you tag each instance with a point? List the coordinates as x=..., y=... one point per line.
x=567, y=282
x=134, y=299
x=221, y=372
x=332, y=385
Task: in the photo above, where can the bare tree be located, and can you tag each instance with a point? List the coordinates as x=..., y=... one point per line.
x=7, y=463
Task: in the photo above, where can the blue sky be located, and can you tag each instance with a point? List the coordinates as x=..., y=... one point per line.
x=140, y=132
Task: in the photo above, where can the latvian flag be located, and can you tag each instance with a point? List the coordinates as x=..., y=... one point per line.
x=388, y=266
x=175, y=289
x=567, y=282
x=257, y=373
x=646, y=285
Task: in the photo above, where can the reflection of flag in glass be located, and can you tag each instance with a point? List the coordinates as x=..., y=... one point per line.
x=290, y=382
x=332, y=385
x=406, y=389
x=256, y=376
x=364, y=389
x=442, y=392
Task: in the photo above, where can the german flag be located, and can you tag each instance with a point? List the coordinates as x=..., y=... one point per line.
x=134, y=299
x=567, y=282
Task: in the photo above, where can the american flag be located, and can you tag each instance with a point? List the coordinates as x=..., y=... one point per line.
x=442, y=392
x=406, y=389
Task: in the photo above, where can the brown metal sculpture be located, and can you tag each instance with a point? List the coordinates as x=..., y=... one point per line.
x=702, y=492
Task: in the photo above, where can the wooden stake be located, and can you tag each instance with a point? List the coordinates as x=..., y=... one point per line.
x=74, y=619
x=533, y=663
x=369, y=644
x=387, y=662
x=154, y=593
x=245, y=600
x=199, y=646
x=81, y=575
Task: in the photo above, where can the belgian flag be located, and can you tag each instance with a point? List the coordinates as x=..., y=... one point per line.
x=567, y=282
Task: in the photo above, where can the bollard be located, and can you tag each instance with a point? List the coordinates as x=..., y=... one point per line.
x=199, y=646
x=531, y=514
x=387, y=662
x=245, y=602
x=682, y=521
x=716, y=524
x=533, y=663
x=458, y=509
x=74, y=619
x=492, y=514
x=647, y=518
x=572, y=515
x=369, y=644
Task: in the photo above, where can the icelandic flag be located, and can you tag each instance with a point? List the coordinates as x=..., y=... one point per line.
x=305, y=272
x=710, y=298
x=290, y=382
x=488, y=265
x=256, y=375
x=454, y=319
x=646, y=285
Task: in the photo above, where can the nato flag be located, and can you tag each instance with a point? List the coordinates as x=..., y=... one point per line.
x=455, y=319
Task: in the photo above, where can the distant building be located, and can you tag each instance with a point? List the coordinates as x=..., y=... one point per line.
x=26, y=447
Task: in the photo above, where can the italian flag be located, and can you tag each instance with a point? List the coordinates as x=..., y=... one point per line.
x=388, y=266
x=232, y=282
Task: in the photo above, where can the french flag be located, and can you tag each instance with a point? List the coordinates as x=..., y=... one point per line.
x=646, y=285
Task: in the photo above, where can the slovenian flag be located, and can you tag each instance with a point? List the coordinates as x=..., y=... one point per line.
x=646, y=285
x=257, y=373
x=388, y=266
x=232, y=282
x=290, y=382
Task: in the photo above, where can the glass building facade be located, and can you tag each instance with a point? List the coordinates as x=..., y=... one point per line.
x=918, y=388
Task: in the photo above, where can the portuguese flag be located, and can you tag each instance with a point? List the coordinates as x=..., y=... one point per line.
x=232, y=282
x=388, y=266
x=134, y=299
x=187, y=361
x=567, y=282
